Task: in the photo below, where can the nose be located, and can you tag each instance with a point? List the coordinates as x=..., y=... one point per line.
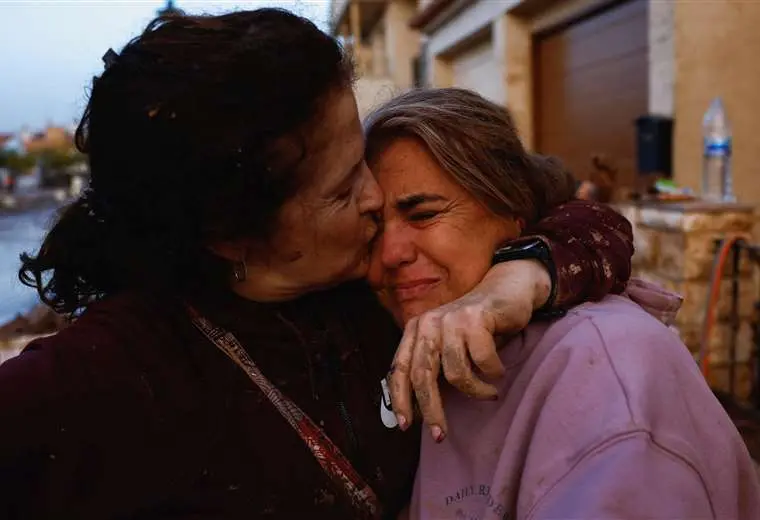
x=371, y=199
x=396, y=247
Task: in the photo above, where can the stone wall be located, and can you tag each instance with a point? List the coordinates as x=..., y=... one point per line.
x=403, y=43
x=675, y=247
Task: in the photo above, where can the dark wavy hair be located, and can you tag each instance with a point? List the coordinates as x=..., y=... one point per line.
x=190, y=135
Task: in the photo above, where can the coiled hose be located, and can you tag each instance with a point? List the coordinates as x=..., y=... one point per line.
x=712, y=300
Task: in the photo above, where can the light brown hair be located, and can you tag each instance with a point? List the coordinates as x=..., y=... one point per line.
x=476, y=142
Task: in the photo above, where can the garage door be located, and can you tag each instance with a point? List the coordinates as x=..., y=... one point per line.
x=475, y=69
x=591, y=84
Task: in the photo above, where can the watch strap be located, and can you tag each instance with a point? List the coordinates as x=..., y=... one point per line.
x=534, y=248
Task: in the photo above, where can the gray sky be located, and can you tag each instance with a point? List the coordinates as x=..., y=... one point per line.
x=49, y=50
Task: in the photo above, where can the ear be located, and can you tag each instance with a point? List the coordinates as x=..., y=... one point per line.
x=520, y=225
x=511, y=228
x=514, y=227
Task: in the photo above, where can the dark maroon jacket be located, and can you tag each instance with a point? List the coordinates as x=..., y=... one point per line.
x=130, y=413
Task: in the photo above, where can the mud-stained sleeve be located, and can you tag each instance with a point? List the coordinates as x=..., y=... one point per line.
x=591, y=246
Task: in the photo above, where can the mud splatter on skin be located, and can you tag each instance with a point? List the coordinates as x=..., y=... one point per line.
x=453, y=358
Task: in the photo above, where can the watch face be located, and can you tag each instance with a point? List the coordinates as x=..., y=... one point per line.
x=526, y=246
x=528, y=249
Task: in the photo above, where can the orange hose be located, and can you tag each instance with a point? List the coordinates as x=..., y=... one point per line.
x=712, y=302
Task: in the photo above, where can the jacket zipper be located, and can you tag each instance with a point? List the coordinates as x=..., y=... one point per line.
x=354, y=453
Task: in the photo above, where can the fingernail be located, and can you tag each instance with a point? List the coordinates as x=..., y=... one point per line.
x=401, y=422
x=438, y=434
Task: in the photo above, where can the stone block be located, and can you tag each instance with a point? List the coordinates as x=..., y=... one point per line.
x=629, y=211
x=676, y=219
x=718, y=379
x=691, y=256
x=720, y=340
x=661, y=218
x=729, y=222
x=672, y=257
x=695, y=298
x=720, y=343
x=694, y=293
x=646, y=243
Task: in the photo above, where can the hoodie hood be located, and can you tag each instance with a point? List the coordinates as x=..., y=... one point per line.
x=656, y=300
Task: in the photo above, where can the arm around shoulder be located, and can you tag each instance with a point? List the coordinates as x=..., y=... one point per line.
x=592, y=248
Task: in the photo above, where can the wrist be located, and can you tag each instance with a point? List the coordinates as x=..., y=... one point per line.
x=501, y=279
x=542, y=282
x=533, y=258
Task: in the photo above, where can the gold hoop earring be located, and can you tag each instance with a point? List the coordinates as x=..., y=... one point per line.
x=240, y=271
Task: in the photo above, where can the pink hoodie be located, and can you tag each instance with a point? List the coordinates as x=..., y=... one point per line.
x=602, y=415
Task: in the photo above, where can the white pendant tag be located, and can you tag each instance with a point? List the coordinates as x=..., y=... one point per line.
x=386, y=411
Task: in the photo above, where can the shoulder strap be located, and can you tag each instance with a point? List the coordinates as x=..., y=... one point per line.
x=333, y=462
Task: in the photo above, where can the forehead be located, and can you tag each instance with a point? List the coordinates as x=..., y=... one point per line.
x=406, y=167
x=335, y=141
x=338, y=132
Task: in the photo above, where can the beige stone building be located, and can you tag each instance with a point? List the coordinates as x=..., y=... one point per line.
x=383, y=43
x=576, y=73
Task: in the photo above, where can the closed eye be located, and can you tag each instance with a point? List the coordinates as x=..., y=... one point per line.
x=352, y=180
x=345, y=194
x=422, y=216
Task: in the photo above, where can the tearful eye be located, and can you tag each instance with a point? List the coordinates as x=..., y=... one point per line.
x=422, y=216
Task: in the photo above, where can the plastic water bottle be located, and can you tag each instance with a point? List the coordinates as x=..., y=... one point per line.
x=716, y=173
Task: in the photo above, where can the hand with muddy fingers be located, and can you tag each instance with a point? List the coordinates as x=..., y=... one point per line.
x=453, y=337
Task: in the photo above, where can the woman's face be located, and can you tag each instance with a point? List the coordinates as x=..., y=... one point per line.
x=323, y=233
x=437, y=240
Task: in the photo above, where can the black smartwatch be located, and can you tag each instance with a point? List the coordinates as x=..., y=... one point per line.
x=533, y=249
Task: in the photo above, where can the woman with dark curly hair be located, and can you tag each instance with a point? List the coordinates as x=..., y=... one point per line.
x=226, y=357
